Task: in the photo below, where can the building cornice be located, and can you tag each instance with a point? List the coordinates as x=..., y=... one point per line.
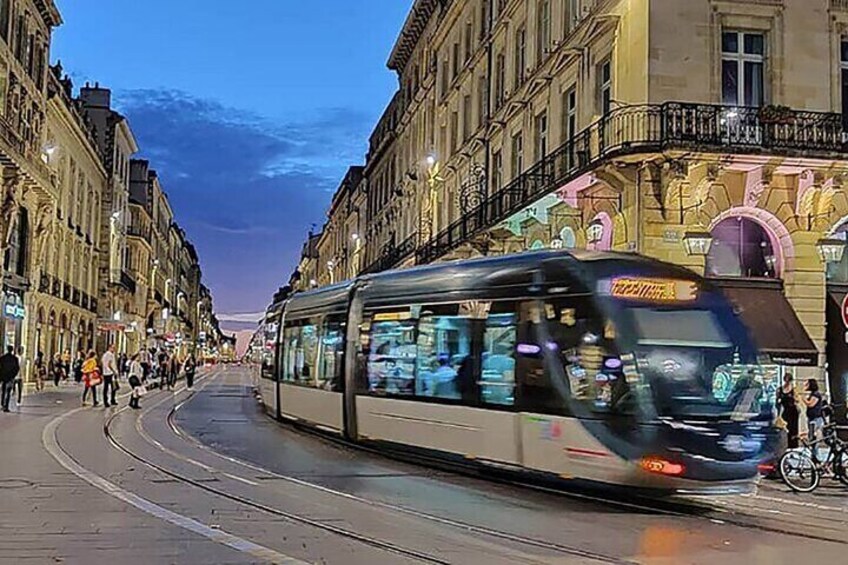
x=49, y=12
x=415, y=24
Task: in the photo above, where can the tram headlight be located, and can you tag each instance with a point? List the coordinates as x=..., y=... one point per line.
x=661, y=466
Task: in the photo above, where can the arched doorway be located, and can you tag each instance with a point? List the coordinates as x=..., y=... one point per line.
x=742, y=247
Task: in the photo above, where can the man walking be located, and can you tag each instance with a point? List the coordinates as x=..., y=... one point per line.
x=9, y=369
x=110, y=376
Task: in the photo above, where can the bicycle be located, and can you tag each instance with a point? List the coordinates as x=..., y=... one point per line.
x=802, y=470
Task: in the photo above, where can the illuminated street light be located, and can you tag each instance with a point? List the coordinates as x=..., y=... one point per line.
x=698, y=243
x=831, y=250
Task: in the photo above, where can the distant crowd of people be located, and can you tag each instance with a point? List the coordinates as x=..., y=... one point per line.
x=91, y=370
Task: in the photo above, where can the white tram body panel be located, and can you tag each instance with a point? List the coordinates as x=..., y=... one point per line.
x=319, y=407
x=470, y=432
x=268, y=391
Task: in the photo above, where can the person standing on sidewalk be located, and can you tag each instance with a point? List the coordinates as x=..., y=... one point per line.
x=144, y=360
x=162, y=369
x=19, y=380
x=9, y=369
x=189, y=368
x=136, y=374
x=40, y=371
x=109, y=366
x=77, y=368
x=91, y=377
x=173, y=371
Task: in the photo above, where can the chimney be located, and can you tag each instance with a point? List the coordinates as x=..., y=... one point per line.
x=96, y=97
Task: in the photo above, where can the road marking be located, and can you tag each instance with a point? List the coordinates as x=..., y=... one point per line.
x=51, y=444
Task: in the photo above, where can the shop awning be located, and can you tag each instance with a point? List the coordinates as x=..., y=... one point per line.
x=772, y=321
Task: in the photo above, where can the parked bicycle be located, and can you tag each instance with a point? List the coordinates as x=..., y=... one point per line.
x=802, y=469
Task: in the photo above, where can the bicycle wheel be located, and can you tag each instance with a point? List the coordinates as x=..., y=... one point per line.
x=840, y=468
x=799, y=471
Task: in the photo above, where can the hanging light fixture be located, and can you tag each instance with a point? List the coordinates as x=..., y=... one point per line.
x=698, y=243
x=831, y=250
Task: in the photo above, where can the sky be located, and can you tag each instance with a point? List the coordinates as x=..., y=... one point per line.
x=250, y=111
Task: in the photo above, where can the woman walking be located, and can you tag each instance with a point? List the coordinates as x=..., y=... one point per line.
x=91, y=377
x=815, y=405
x=189, y=368
x=136, y=374
x=77, y=368
x=40, y=371
x=788, y=406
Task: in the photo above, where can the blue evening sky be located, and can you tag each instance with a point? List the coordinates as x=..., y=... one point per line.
x=251, y=112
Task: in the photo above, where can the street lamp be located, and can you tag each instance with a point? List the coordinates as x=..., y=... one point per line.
x=698, y=243
x=831, y=250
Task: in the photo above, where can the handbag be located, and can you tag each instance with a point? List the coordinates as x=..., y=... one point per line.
x=95, y=379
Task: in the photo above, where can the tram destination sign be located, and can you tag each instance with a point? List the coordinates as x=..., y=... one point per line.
x=651, y=289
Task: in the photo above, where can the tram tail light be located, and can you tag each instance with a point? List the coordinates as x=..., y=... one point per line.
x=766, y=468
x=661, y=466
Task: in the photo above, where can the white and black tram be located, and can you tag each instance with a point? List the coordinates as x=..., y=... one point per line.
x=601, y=367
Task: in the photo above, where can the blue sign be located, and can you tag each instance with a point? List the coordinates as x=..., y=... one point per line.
x=14, y=311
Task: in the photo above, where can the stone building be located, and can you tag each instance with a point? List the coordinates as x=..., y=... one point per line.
x=28, y=190
x=708, y=133
x=66, y=277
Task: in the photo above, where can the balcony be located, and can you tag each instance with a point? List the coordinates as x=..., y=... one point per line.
x=66, y=292
x=139, y=232
x=393, y=254
x=75, y=297
x=631, y=130
x=93, y=304
x=57, y=288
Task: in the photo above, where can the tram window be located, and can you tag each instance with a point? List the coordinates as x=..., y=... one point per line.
x=391, y=359
x=497, y=383
x=330, y=355
x=444, y=347
x=291, y=336
x=306, y=355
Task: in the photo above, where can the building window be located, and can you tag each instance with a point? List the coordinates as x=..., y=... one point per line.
x=484, y=18
x=569, y=105
x=469, y=40
x=605, y=87
x=543, y=30
x=541, y=132
x=455, y=61
x=466, y=117
x=454, y=131
x=520, y=55
x=572, y=14
x=742, y=68
x=483, y=102
x=517, y=154
x=500, y=79
x=741, y=248
x=445, y=79
x=843, y=64
x=497, y=170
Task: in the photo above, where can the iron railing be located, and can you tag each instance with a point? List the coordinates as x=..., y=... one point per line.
x=394, y=254
x=634, y=129
x=128, y=282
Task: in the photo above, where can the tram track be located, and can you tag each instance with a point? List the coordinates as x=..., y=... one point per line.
x=718, y=514
x=279, y=513
x=482, y=531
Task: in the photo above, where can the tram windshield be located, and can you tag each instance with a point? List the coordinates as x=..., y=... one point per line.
x=691, y=352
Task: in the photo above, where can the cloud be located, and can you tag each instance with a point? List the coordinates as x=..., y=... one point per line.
x=245, y=187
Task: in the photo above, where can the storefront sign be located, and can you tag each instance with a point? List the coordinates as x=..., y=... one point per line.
x=794, y=359
x=105, y=326
x=14, y=311
x=653, y=290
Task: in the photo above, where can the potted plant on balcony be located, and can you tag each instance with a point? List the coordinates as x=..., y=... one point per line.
x=774, y=114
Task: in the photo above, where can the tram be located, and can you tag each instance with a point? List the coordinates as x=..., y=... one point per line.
x=585, y=366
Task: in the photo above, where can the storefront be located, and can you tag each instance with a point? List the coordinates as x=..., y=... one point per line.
x=13, y=319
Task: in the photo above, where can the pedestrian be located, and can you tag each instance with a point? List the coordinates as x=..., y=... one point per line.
x=815, y=403
x=77, y=367
x=788, y=409
x=9, y=369
x=19, y=380
x=162, y=369
x=56, y=369
x=91, y=377
x=173, y=371
x=108, y=364
x=144, y=360
x=40, y=371
x=189, y=368
x=66, y=364
x=136, y=374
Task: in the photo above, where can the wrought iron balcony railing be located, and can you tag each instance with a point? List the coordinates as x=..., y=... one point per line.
x=394, y=254
x=636, y=129
x=44, y=284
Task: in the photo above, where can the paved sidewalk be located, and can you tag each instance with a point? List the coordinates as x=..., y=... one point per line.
x=49, y=515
